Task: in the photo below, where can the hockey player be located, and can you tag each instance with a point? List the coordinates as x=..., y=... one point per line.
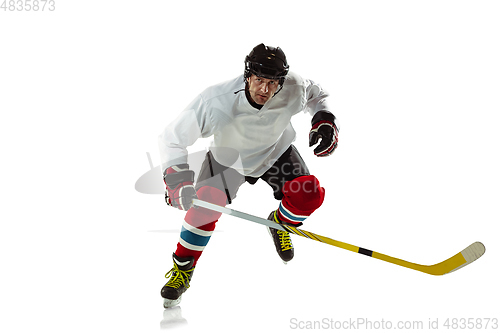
x=249, y=119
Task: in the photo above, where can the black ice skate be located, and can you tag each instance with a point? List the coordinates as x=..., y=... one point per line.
x=180, y=276
x=282, y=240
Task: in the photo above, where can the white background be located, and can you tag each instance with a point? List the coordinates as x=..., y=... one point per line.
x=86, y=89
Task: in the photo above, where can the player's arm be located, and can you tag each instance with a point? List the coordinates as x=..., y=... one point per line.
x=323, y=121
x=181, y=133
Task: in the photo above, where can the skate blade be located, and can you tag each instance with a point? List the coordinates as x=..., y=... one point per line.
x=169, y=303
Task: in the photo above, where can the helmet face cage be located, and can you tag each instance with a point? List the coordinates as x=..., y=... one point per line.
x=267, y=62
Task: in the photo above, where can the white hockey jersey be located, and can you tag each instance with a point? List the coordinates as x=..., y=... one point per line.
x=258, y=136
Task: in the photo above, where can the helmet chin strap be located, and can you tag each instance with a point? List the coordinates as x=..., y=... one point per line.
x=282, y=83
x=247, y=93
x=281, y=87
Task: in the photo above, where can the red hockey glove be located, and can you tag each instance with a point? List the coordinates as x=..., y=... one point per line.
x=180, y=189
x=323, y=126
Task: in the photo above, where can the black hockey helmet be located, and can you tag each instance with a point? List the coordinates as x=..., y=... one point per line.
x=267, y=62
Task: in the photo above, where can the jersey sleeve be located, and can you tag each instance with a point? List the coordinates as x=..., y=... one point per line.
x=190, y=125
x=317, y=103
x=316, y=98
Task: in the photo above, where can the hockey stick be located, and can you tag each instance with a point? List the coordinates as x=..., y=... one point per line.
x=461, y=259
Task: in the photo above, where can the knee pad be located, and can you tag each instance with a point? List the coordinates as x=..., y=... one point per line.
x=203, y=218
x=303, y=195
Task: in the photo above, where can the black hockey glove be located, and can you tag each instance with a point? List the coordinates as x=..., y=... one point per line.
x=180, y=189
x=323, y=126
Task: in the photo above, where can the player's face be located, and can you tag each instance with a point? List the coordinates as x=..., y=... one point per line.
x=261, y=89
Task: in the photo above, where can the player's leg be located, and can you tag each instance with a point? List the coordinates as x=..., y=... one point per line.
x=218, y=185
x=300, y=194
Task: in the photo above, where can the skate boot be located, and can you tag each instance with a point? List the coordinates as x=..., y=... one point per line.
x=282, y=240
x=180, y=276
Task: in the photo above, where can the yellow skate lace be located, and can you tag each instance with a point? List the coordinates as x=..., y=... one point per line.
x=178, y=277
x=285, y=241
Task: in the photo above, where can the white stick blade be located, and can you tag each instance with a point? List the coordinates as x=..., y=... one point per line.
x=472, y=253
